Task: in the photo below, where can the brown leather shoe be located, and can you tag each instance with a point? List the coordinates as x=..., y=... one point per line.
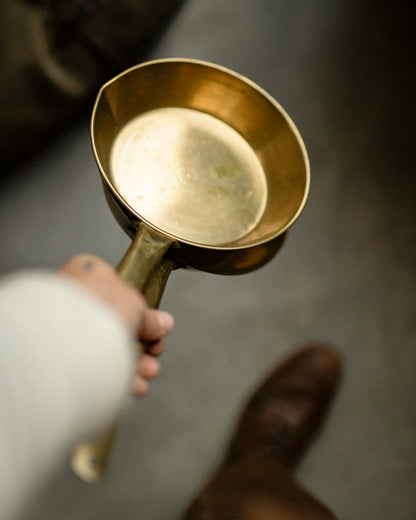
x=285, y=413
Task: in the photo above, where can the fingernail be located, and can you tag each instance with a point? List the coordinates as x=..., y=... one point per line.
x=166, y=321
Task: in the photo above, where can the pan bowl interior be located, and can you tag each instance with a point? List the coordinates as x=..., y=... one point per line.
x=237, y=139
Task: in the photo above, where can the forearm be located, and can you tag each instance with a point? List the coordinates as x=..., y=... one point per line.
x=66, y=363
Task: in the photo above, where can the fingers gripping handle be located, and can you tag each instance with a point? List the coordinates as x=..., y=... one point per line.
x=146, y=267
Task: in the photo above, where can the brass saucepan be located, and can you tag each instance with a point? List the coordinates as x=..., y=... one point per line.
x=202, y=168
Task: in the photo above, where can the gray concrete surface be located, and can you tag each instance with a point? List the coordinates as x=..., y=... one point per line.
x=346, y=274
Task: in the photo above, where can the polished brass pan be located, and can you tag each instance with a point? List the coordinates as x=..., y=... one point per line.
x=202, y=168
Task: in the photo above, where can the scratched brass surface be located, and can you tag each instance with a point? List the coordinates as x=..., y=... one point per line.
x=189, y=174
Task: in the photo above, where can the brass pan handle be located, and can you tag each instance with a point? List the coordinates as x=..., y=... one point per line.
x=146, y=267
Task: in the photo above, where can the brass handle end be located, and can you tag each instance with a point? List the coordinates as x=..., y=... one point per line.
x=89, y=459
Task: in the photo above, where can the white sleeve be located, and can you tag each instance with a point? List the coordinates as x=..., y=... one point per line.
x=66, y=362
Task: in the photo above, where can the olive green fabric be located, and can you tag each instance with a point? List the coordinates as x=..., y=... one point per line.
x=54, y=55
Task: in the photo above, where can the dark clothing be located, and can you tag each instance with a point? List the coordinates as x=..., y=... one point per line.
x=54, y=56
x=255, y=489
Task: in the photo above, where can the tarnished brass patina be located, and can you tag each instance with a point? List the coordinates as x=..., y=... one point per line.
x=202, y=168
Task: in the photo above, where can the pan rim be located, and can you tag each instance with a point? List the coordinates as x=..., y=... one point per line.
x=229, y=247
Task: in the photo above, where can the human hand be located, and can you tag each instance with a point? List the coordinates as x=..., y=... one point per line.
x=146, y=324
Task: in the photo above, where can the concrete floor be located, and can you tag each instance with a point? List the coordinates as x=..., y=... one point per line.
x=345, y=275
